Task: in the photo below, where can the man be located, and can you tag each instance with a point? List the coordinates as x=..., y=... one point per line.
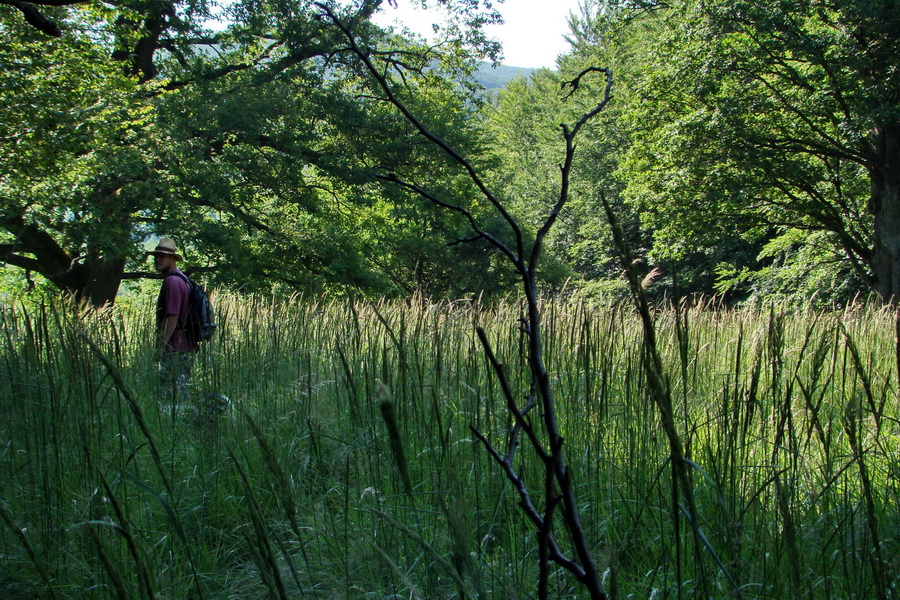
x=174, y=349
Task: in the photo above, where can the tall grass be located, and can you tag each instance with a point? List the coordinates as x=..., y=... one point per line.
x=345, y=468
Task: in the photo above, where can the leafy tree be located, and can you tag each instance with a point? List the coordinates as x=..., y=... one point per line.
x=776, y=121
x=251, y=143
x=73, y=160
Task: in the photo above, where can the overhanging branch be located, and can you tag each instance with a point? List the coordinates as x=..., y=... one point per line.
x=8, y=256
x=36, y=18
x=364, y=55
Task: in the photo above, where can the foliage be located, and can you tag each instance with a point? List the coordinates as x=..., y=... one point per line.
x=74, y=161
x=740, y=153
x=756, y=123
x=745, y=153
x=251, y=146
x=525, y=121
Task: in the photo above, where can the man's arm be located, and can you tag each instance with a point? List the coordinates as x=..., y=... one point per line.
x=166, y=331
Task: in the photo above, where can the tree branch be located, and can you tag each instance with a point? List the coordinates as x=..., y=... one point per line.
x=528, y=507
x=550, y=454
x=8, y=256
x=36, y=18
x=50, y=258
x=473, y=223
x=566, y=168
x=381, y=80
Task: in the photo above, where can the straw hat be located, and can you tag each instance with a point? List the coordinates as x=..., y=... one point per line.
x=165, y=246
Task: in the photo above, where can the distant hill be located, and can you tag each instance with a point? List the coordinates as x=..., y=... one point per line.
x=496, y=78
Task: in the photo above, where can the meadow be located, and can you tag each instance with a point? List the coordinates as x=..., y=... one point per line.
x=346, y=465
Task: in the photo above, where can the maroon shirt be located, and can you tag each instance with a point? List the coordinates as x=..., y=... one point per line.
x=173, y=300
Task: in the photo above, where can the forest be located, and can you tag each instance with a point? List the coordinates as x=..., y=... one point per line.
x=747, y=152
x=622, y=329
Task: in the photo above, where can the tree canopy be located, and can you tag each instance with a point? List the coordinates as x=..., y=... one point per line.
x=748, y=149
x=751, y=149
x=774, y=124
x=255, y=146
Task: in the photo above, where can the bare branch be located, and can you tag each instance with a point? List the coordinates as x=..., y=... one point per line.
x=566, y=168
x=521, y=422
x=473, y=223
x=607, y=96
x=576, y=82
x=381, y=80
x=528, y=507
x=556, y=474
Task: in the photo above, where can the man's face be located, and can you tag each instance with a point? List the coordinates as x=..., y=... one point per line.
x=163, y=262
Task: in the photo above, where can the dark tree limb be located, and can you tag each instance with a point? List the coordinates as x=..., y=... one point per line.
x=566, y=168
x=520, y=422
x=50, y=260
x=36, y=18
x=8, y=255
x=528, y=507
x=473, y=223
x=575, y=83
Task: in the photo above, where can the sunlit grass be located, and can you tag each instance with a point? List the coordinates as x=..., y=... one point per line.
x=789, y=419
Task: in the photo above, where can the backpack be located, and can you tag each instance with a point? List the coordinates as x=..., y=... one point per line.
x=200, y=324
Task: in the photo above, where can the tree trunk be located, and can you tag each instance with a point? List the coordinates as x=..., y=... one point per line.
x=94, y=277
x=103, y=279
x=885, y=208
x=96, y=280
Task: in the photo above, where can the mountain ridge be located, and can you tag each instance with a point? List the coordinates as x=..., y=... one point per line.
x=495, y=78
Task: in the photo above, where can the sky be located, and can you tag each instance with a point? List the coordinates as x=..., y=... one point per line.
x=532, y=33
